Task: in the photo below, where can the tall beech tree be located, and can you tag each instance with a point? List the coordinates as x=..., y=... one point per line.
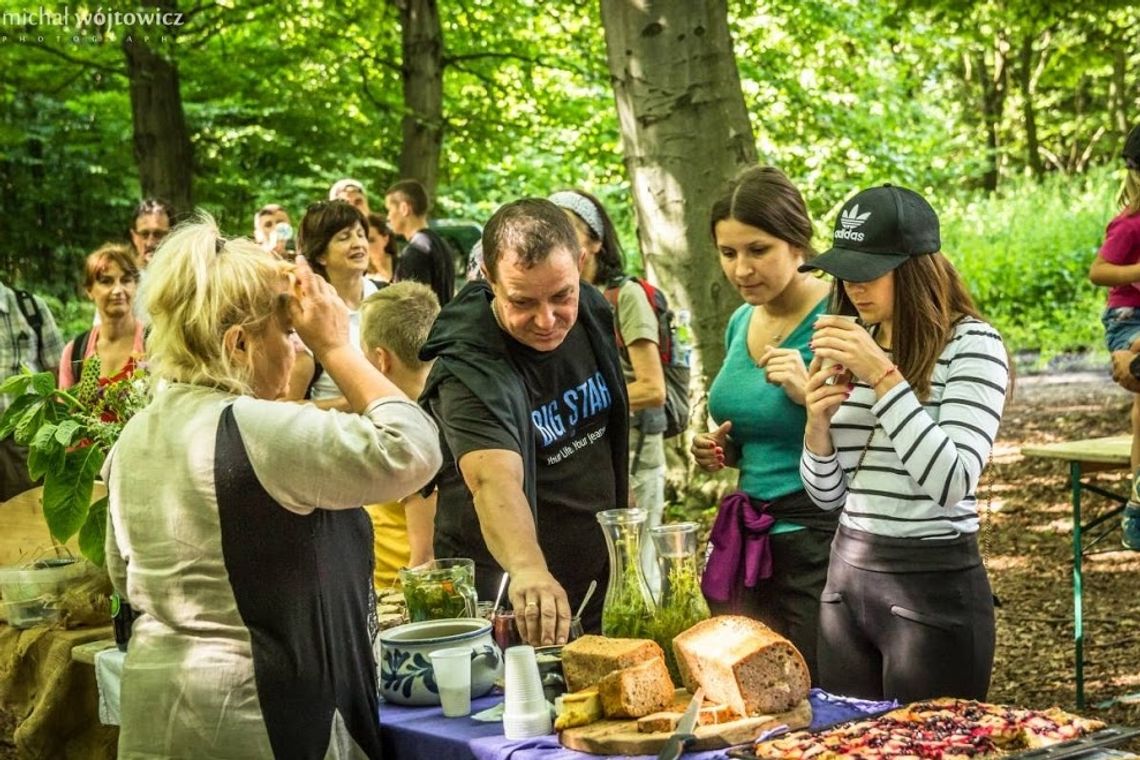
x=685, y=132
x=422, y=72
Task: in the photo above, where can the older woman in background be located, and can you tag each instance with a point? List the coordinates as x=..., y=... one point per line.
x=234, y=522
x=111, y=278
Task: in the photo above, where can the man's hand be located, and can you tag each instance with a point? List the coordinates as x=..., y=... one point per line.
x=542, y=611
x=495, y=479
x=1122, y=370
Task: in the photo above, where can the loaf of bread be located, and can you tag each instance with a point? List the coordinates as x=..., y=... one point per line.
x=588, y=659
x=636, y=691
x=742, y=663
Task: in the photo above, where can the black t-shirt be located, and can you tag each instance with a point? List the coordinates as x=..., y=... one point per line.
x=570, y=407
x=427, y=258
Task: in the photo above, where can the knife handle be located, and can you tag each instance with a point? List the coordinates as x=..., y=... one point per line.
x=675, y=746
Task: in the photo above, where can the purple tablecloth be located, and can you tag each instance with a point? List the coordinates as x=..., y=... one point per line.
x=422, y=732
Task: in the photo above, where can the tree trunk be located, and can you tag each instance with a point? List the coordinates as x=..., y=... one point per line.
x=161, y=139
x=1028, y=81
x=423, y=91
x=685, y=133
x=1118, y=90
x=993, y=86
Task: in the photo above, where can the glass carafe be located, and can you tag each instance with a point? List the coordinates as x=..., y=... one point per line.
x=682, y=604
x=628, y=609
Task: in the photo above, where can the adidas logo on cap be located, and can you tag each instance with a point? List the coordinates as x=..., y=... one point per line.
x=850, y=220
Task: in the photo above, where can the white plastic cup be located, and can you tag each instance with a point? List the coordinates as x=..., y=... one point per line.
x=453, y=678
x=525, y=712
x=828, y=363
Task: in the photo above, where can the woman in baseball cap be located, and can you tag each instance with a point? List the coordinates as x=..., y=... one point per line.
x=900, y=424
x=1116, y=265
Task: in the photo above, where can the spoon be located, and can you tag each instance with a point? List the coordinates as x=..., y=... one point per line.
x=499, y=596
x=586, y=599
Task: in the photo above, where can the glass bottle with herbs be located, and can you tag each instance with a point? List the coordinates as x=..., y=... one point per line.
x=628, y=609
x=682, y=604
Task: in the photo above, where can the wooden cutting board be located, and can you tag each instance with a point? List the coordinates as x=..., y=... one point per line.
x=620, y=737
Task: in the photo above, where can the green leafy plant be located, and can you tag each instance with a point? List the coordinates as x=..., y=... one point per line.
x=68, y=434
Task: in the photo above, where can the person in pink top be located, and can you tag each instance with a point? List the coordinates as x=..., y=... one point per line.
x=111, y=278
x=1117, y=265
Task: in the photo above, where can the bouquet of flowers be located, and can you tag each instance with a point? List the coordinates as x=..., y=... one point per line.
x=68, y=434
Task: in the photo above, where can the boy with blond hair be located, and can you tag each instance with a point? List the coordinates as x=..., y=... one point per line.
x=394, y=324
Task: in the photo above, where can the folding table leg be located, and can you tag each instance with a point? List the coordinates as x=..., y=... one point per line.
x=1078, y=615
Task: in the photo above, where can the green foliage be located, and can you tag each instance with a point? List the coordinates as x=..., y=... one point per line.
x=68, y=435
x=1025, y=256
x=282, y=99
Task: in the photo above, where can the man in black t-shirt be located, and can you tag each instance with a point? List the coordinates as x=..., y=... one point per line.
x=427, y=258
x=528, y=393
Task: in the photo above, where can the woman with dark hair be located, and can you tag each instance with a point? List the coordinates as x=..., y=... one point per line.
x=110, y=279
x=636, y=331
x=381, y=249
x=334, y=240
x=903, y=411
x=769, y=542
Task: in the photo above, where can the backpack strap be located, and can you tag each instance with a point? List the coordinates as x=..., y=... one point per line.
x=31, y=311
x=664, y=315
x=78, y=352
x=613, y=289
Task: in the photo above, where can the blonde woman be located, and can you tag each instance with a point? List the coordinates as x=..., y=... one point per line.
x=234, y=522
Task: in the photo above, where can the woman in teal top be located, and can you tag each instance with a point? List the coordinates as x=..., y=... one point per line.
x=769, y=544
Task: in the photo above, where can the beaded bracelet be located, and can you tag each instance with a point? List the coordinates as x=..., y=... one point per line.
x=893, y=368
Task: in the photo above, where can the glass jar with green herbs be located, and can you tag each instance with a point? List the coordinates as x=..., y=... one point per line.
x=440, y=589
x=681, y=604
x=628, y=609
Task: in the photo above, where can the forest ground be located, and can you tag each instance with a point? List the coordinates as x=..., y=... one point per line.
x=1027, y=542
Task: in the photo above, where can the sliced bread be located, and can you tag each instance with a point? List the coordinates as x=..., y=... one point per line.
x=587, y=659
x=636, y=691
x=742, y=663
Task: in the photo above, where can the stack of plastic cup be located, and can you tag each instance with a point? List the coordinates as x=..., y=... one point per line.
x=525, y=713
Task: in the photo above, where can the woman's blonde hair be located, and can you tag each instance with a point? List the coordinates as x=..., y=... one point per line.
x=1130, y=192
x=197, y=287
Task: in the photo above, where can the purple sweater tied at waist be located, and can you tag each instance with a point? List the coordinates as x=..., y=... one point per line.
x=739, y=554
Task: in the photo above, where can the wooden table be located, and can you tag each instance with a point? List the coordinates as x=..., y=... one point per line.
x=1086, y=457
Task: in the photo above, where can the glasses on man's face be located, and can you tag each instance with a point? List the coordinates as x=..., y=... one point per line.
x=152, y=234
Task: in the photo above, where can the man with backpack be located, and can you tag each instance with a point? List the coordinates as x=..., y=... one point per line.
x=28, y=338
x=428, y=258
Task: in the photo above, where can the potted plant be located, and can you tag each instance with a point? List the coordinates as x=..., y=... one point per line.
x=68, y=434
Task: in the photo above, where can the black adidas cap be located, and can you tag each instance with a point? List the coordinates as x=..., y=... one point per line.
x=876, y=231
x=1131, y=152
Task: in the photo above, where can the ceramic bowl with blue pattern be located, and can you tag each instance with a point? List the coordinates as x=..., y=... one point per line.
x=406, y=675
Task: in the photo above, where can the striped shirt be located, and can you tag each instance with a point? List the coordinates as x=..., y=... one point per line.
x=923, y=459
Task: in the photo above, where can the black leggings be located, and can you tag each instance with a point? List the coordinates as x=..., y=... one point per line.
x=905, y=619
